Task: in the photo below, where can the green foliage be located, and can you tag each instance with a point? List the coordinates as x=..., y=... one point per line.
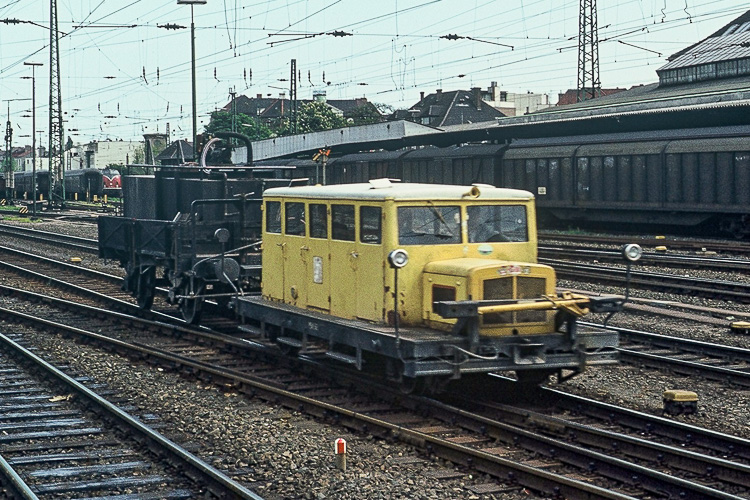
x=318, y=116
x=139, y=155
x=221, y=121
x=364, y=115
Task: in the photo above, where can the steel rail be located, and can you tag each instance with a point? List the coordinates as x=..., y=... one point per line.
x=648, y=258
x=733, y=247
x=75, y=242
x=651, y=424
x=726, y=290
x=216, y=481
x=729, y=354
x=590, y=435
x=492, y=464
x=17, y=484
x=483, y=461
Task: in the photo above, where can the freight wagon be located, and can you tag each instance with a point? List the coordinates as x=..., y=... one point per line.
x=689, y=177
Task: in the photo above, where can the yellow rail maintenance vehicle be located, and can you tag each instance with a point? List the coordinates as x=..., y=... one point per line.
x=420, y=283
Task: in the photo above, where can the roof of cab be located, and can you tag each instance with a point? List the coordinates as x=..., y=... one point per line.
x=382, y=189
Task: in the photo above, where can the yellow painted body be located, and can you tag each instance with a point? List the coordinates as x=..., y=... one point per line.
x=351, y=278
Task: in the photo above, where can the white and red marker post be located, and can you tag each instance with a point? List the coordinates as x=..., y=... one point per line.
x=339, y=448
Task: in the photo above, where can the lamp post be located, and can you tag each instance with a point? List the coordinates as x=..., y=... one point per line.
x=192, y=47
x=33, y=133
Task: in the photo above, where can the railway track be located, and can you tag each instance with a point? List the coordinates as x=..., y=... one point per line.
x=507, y=452
x=83, y=245
x=668, y=283
x=95, y=288
x=684, y=356
x=60, y=438
x=414, y=428
x=719, y=246
x=91, y=286
x=622, y=434
x=712, y=263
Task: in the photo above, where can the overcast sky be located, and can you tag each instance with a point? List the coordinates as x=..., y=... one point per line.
x=123, y=74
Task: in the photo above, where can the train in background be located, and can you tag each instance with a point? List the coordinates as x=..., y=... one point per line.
x=695, y=178
x=80, y=184
x=112, y=181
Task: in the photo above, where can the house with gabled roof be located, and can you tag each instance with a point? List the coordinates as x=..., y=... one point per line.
x=270, y=110
x=454, y=107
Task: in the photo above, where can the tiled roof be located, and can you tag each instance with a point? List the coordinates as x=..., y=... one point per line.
x=271, y=107
x=454, y=108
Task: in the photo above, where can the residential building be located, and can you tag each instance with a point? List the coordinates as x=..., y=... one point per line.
x=513, y=104
x=100, y=154
x=271, y=110
x=455, y=107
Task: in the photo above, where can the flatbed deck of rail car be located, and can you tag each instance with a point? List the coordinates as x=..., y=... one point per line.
x=426, y=351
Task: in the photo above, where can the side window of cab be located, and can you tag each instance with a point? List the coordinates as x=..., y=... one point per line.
x=318, y=221
x=294, y=218
x=342, y=222
x=273, y=217
x=370, y=225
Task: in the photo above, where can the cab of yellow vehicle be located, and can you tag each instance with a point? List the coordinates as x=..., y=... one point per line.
x=326, y=248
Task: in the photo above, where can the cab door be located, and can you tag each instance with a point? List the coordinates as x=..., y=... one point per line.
x=319, y=265
x=296, y=253
x=273, y=252
x=370, y=264
x=344, y=261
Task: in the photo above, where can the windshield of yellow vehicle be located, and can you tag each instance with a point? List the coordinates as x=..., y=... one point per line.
x=495, y=223
x=429, y=225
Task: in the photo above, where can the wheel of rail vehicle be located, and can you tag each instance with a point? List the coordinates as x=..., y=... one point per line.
x=191, y=308
x=146, y=287
x=407, y=385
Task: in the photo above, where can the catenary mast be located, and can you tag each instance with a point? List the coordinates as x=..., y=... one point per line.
x=56, y=153
x=589, y=85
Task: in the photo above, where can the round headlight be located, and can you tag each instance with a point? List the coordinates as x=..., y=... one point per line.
x=398, y=258
x=632, y=252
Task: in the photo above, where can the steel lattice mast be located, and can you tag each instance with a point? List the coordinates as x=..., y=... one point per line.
x=589, y=85
x=8, y=162
x=56, y=141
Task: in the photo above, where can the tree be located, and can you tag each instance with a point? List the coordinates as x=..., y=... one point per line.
x=139, y=155
x=221, y=121
x=318, y=116
x=364, y=115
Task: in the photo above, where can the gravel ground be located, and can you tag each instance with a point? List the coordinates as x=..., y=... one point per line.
x=282, y=454
x=278, y=453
